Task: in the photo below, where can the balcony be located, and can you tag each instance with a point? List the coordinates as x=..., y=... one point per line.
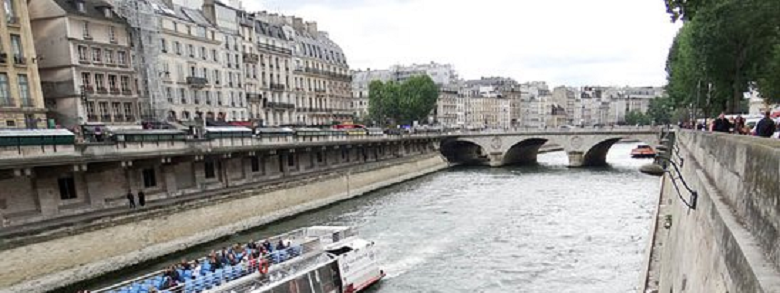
x=115, y=91
x=278, y=105
x=102, y=90
x=88, y=89
x=320, y=90
x=277, y=87
x=127, y=92
x=197, y=82
x=273, y=48
x=251, y=58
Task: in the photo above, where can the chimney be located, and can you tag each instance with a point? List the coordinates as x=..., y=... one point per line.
x=311, y=27
x=209, y=10
x=298, y=23
x=168, y=3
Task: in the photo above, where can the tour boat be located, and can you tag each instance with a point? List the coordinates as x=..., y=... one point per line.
x=643, y=151
x=328, y=259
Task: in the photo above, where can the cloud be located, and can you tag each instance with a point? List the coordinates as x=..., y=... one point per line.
x=571, y=42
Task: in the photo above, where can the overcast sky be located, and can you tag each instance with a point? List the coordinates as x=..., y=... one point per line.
x=571, y=42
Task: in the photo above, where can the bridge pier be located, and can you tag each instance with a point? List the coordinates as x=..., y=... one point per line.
x=496, y=159
x=576, y=159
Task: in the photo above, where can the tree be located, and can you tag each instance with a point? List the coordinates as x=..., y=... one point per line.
x=393, y=103
x=637, y=118
x=661, y=110
x=724, y=47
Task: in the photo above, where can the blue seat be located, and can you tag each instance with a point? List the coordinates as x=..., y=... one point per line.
x=189, y=286
x=187, y=275
x=208, y=281
x=237, y=271
x=228, y=273
x=206, y=267
x=283, y=256
x=219, y=275
x=199, y=284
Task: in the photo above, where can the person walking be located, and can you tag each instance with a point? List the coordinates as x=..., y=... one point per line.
x=721, y=124
x=131, y=199
x=766, y=127
x=141, y=198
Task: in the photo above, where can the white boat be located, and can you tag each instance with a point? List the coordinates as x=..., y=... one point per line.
x=327, y=259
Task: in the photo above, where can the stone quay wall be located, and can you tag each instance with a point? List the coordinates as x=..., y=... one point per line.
x=57, y=262
x=731, y=241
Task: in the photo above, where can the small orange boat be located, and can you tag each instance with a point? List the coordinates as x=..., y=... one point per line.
x=643, y=151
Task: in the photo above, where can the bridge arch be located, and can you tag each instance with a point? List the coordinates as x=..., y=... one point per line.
x=594, y=154
x=464, y=151
x=524, y=152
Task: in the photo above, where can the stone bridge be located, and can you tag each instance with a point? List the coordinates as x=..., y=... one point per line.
x=585, y=147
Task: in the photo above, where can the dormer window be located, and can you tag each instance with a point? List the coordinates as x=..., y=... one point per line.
x=80, y=6
x=107, y=12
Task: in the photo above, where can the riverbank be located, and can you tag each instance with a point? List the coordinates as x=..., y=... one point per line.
x=57, y=262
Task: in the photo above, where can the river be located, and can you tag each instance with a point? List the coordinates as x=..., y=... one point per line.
x=544, y=228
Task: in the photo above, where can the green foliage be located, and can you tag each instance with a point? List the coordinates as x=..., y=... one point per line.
x=394, y=103
x=661, y=111
x=637, y=118
x=729, y=45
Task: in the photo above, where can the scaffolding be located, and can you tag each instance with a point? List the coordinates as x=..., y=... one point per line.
x=144, y=32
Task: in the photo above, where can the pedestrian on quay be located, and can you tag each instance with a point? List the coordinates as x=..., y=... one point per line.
x=141, y=198
x=766, y=127
x=131, y=199
x=721, y=124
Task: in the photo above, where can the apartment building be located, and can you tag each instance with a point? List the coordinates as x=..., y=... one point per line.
x=21, y=97
x=277, y=100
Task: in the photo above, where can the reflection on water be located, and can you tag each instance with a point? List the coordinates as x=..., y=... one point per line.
x=543, y=228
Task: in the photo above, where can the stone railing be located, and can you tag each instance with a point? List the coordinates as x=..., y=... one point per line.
x=723, y=230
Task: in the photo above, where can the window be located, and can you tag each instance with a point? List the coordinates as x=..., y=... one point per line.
x=129, y=112
x=169, y=95
x=103, y=106
x=255, y=164
x=5, y=95
x=91, y=111
x=216, y=76
x=209, y=170
x=96, y=55
x=191, y=50
x=117, y=110
x=177, y=47
x=164, y=44
x=16, y=44
x=112, y=82
x=67, y=188
x=203, y=53
x=125, y=82
x=111, y=32
x=121, y=57
x=214, y=55
x=86, y=80
x=99, y=81
x=85, y=31
x=150, y=180
x=109, y=56
x=183, y=96
x=83, y=53
x=24, y=91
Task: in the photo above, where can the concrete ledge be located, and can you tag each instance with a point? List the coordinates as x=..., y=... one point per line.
x=58, y=262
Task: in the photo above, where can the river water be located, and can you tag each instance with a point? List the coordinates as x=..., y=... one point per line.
x=544, y=228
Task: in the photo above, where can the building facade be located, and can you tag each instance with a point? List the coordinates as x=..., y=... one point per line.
x=21, y=97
